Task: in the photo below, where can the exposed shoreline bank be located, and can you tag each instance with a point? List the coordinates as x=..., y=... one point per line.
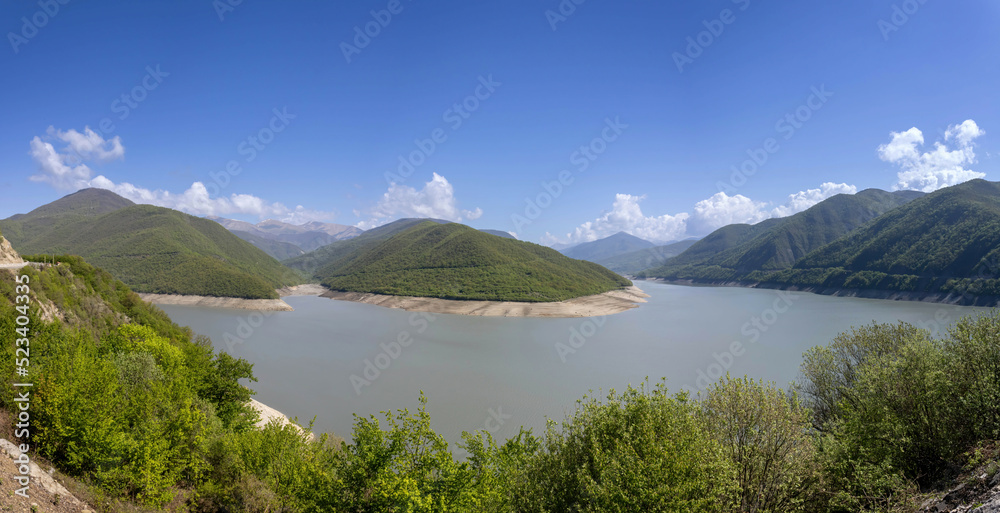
x=608, y=303
x=890, y=295
x=274, y=305
x=267, y=414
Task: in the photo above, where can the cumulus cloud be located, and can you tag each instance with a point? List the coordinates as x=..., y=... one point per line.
x=626, y=216
x=65, y=169
x=436, y=199
x=721, y=209
x=708, y=214
x=941, y=167
x=804, y=199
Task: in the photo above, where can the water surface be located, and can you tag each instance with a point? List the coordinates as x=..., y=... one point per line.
x=497, y=374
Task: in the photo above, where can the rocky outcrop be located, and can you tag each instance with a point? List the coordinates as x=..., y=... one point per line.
x=7, y=253
x=977, y=492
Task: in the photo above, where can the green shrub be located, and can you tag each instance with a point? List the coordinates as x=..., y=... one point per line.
x=643, y=450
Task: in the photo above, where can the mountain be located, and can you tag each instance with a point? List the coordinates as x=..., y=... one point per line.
x=277, y=249
x=608, y=247
x=945, y=242
x=635, y=261
x=455, y=261
x=152, y=249
x=85, y=202
x=306, y=237
x=733, y=251
x=311, y=262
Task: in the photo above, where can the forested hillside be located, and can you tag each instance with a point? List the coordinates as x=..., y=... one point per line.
x=152, y=249
x=454, y=261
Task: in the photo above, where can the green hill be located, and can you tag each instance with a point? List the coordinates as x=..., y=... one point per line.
x=732, y=252
x=454, y=261
x=311, y=263
x=947, y=241
x=635, y=261
x=608, y=247
x=151, y=249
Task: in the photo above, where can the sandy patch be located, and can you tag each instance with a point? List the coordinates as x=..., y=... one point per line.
x=275, y=305
x=309, y=289
x=608, y=303
x=267, y=414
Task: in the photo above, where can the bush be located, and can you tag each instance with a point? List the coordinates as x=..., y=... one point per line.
x=643, y=450
x=765, y=435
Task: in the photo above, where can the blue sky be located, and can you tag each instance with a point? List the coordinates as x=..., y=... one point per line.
x=886, y=94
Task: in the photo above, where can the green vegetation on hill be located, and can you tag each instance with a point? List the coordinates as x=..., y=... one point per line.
x=744, y=252
x=132, y=405
x=454, y=261
x=152, y=249
x=311, y=263
x=123, y=398
x=947, y=241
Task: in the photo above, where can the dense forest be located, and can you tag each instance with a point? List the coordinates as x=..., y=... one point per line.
x=152, y=249
x=454, y=261
x=947, y=242
x=143, y=412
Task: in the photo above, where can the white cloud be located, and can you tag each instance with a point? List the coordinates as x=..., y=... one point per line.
x=721, y=209
x=940, y=167
x=90, y=144
x=709, y=214
x=626, y=216
x=804, y=199
x=436, y=200
x=65, y=170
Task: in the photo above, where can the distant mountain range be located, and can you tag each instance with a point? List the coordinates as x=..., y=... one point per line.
x=635, y=261
x=876, y=243
x=151, y=249
x=283, y=240
x=607, y=247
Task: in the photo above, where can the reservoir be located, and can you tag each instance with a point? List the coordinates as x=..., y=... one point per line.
x=331, y=359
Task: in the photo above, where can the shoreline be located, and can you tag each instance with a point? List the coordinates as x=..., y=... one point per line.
x=885, y=295
x=607, y=303
x=272, y=305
